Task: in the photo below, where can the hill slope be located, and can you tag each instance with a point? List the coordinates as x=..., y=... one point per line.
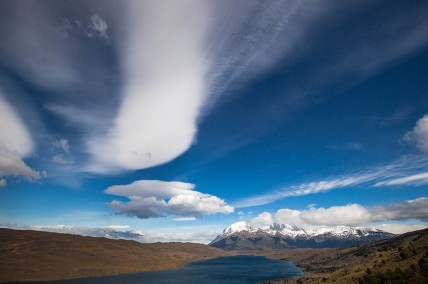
x=33, y=256
x=403, y=259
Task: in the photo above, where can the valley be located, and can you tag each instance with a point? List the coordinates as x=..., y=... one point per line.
x=42, y=256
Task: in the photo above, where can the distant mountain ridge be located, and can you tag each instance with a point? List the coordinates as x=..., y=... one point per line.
x=244, y=236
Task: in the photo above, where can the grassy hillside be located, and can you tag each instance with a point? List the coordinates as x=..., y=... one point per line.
x=403, y=259
x=32, y=256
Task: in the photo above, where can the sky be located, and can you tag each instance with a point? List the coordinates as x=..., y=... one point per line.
x=170, y=120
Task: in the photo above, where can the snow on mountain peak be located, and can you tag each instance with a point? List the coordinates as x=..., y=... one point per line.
x=292, y=231
x=239, y=227
x=243, y=235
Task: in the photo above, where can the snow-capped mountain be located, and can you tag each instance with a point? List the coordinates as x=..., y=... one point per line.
x=243, y=235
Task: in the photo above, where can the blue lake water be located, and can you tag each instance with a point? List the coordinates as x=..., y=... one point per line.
x=235, y=269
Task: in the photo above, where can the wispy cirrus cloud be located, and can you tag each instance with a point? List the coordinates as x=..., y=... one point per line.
x=416, y=180
x=398, y=172
x=406, y=171
x=155, y=198
x=366, y=54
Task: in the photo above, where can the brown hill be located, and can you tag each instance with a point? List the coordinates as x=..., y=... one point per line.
x=403, y=259
x=34, y=256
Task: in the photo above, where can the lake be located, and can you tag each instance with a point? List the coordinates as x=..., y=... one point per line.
x=241, y=269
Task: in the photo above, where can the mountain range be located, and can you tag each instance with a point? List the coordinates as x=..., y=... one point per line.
x=244, y=236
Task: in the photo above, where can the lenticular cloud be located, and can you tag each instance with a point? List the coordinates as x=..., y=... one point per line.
x=164, y=69
x=156, y=198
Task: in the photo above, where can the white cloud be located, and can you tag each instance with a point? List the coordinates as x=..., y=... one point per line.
x=3, y=183
x=399, y=228
x=289, y=216
x=184, y=219
x=11, y=165
x=351, y=215
x=153, y=188
x=419, y=134
x=111, y=233
x=14, y=135
x=59, y=159
x=97, y=27
x=197, y=206
x=62, y=144
x=197, y=237
x=15, y=144
x=154, y=198
x=118, y=227
x=62, y=149
x=262, y=220
x=116, y=232
x=355, y=214
x=410, y=209
x=142, y=208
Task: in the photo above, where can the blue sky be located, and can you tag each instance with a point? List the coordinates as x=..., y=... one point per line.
x=173, y=120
